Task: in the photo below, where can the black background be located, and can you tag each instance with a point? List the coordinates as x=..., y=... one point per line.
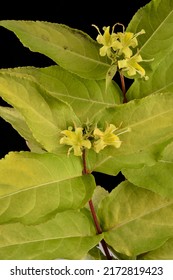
x=76, y=14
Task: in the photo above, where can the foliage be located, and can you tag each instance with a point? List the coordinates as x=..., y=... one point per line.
x=77, y=120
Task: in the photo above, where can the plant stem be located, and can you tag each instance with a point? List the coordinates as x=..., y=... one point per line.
x=93, y=212
x=84, y=171
x=99, y=230
x=123, y=87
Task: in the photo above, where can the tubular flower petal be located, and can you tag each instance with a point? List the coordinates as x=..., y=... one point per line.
x=76, y=140
x=106, y=138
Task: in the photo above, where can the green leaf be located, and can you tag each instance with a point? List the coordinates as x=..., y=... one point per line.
x=72, y=49
x=165, y=252
x=156, y=18
x=86, y=97
x=157, y=178
x=110, y=75
x=160, y=80
x=95, y=254
x=135, y=220
x=44, y=115
x=34, y=187
x=69, y=235
x=98, y=195
x=12, y=116
x=150, y=121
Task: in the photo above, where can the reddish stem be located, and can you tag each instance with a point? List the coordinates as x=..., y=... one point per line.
x=93, y=212
x=84, y=171
x=123, y=87
x=99, y=230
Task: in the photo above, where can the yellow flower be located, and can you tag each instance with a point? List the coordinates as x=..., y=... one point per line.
x=120, y=42
x=75, y=139
x=131, y=66
x=127, y=40
x=107, y=40
x=106, y=138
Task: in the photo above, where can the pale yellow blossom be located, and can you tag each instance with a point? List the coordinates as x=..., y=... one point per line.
x=76, y=140
x=106, y=138
x=126, y=41
x=107, y=40
x=131, y=66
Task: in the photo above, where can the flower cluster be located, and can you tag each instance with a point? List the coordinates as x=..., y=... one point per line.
x=80, y=139
x=120, y=47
